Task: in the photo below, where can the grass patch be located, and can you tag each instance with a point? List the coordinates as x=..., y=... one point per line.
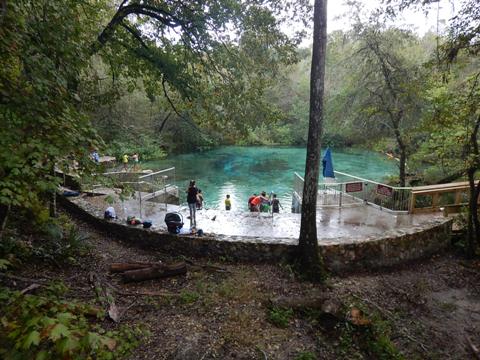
x=306, y=355
x=279, y=316
x=189, y=297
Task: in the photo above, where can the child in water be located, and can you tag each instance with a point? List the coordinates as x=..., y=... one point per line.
x=199, y=200
x=228, y=203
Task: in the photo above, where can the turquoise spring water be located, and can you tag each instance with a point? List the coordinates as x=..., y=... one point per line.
x=241, y=171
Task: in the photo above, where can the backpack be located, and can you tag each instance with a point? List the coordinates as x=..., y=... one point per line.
x=174, y=221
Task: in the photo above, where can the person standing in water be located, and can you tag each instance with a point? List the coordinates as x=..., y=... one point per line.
x=228, y=203
x=276, y=204
x=199, y=200
x=250, y=205
x=192, y=192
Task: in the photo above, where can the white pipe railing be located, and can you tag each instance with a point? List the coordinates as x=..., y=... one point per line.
x=357, y=190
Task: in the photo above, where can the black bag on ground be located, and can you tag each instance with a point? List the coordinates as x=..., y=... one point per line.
x=174, y=221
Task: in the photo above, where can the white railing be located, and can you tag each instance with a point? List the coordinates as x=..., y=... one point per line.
x=353, y=190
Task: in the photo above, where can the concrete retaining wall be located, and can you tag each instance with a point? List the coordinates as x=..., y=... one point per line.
x=418, y=242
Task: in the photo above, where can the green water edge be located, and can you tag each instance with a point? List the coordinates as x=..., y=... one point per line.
x=240, y=171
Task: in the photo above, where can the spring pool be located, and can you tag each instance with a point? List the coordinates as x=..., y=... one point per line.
x=241, y=171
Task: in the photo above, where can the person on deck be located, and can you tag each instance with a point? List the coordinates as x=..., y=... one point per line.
x=228, y=203
x=135, y=162
x=192, y=192
x=95, y=156
x=125, y=162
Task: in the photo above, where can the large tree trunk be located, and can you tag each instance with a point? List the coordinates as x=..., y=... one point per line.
x=4, y=211
x=402, y=166
x=472, y=214
x=311, y=265
x=53, y=196
x=473, y=232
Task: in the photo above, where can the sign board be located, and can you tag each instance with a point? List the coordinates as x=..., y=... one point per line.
x=354, y=187
x=384, y=190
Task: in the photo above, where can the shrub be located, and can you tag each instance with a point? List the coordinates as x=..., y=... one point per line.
x=46, y=327
x=188, y=297
x=280, y=316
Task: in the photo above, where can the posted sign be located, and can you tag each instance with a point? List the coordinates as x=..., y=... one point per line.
x=354, y=187
x=384, y=190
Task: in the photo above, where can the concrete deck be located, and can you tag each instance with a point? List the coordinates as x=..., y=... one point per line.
x=334, y=225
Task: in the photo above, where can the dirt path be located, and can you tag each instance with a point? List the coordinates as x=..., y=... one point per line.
x=430, y=307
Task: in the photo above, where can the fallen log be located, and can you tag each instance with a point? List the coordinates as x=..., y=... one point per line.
x=155, y=272
x=122, y=267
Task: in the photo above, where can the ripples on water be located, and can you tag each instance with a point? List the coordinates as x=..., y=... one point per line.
x=240, y=171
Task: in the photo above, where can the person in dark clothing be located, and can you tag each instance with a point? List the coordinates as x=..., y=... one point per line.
x=276, y=204
x=192, y=192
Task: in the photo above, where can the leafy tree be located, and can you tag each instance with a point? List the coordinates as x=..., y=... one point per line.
x=391, y=83
x=454, y=126
x=193, y=50
x=310, y=262
x=457, y=104
x=41, y=56
x=216, y=56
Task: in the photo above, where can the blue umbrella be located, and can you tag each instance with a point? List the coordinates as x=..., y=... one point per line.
x=327, y=164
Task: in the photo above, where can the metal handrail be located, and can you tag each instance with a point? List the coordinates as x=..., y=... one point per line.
x=334, y=194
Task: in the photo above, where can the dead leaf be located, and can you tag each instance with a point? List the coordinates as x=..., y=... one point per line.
x=357, y=317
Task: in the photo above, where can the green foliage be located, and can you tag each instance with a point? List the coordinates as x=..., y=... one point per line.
x=45, y=326
x=146, y=146
x=279, y=316
x=42, y=56
x=4, y=264
x=372, y=339
x=56, y=239
x=189, y=297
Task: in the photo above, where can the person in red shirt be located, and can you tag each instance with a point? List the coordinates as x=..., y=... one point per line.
x=250, y=206
x=259, y=200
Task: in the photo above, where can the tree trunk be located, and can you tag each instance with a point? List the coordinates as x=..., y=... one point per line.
x=473, y=222
x=159, y=131
x=402, y=166
x=476, y=222
x=311, y=265
x=396, y=121
x=53, y=196
x=4, y=211
x=472, y=213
